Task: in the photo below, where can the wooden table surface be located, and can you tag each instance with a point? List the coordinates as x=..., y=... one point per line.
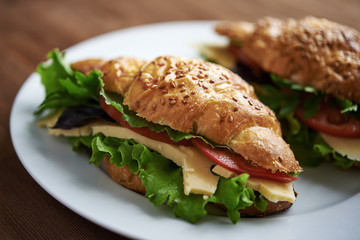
x=29, y=29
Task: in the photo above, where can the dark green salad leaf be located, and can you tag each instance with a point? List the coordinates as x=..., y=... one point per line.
x=64, y=87
x=283, y=97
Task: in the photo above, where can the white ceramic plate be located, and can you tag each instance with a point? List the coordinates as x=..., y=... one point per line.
x=328, y=206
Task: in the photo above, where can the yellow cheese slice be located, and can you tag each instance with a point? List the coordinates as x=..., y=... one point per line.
x=272, y=190
x=349, y=147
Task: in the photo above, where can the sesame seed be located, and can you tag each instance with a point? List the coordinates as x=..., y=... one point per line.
x=172, y=101
x=211, y=81
x=225, y=76
x=246, y=97
x=200, y=75
x=137, y=104
x=257, y=107
x=231, y=118
x=162, y=86
x=144, y=107
x=154, y=86
x=186, y=96
x=162, y=101
x=250, y=103
x=164, y=91
x=173, y=84
x=184, y=101
x=223, y=115
x=235, y=99
x=182, y=90
x=192, y=93
x=204, y=87
x=181, y=84
x=154, y=106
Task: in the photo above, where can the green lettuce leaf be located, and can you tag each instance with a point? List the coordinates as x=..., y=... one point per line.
x=64, y=87
x=116, y=100
x=163, y=179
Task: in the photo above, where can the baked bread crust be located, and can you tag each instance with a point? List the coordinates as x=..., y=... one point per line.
x=309, y=51
x=117, y=73
x=191, y=95
x=124, y=177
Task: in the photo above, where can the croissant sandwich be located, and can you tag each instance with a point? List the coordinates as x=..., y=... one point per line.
x=183, y=132
x=308, y=72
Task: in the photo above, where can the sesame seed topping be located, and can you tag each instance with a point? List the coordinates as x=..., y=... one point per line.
x=182, y=90
x=204, y=87
x=164, y=91
x=181, y=84
x=231, y=118
x=246, y=97
x=235, y=109
x=192, y=93
x=257, y=107
x=154, y=106
x=250, y=103
x=235, y=99
x=162, y=86
x=162, y=101
x=211, y=81
x=144, y=107
x=223, y=115
x=137, y=104
x=186, y=96
x=154, y=86
x=173, y=84
x=172, y=101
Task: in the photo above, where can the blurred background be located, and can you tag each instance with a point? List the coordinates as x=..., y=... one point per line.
x=29, y=29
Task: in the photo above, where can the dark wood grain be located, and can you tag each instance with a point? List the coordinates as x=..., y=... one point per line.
x=29, y=29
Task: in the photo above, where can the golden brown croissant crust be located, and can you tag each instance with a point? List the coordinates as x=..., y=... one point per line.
x=192, y=95
x=124, y=177
x=309, y=51
x=117, y=73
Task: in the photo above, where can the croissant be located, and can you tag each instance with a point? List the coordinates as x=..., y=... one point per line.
x=195, y=96
x=309, y=51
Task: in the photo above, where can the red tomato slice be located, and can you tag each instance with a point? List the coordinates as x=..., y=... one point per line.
x=144, y=131
x=330, y=120
x=236, y=163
